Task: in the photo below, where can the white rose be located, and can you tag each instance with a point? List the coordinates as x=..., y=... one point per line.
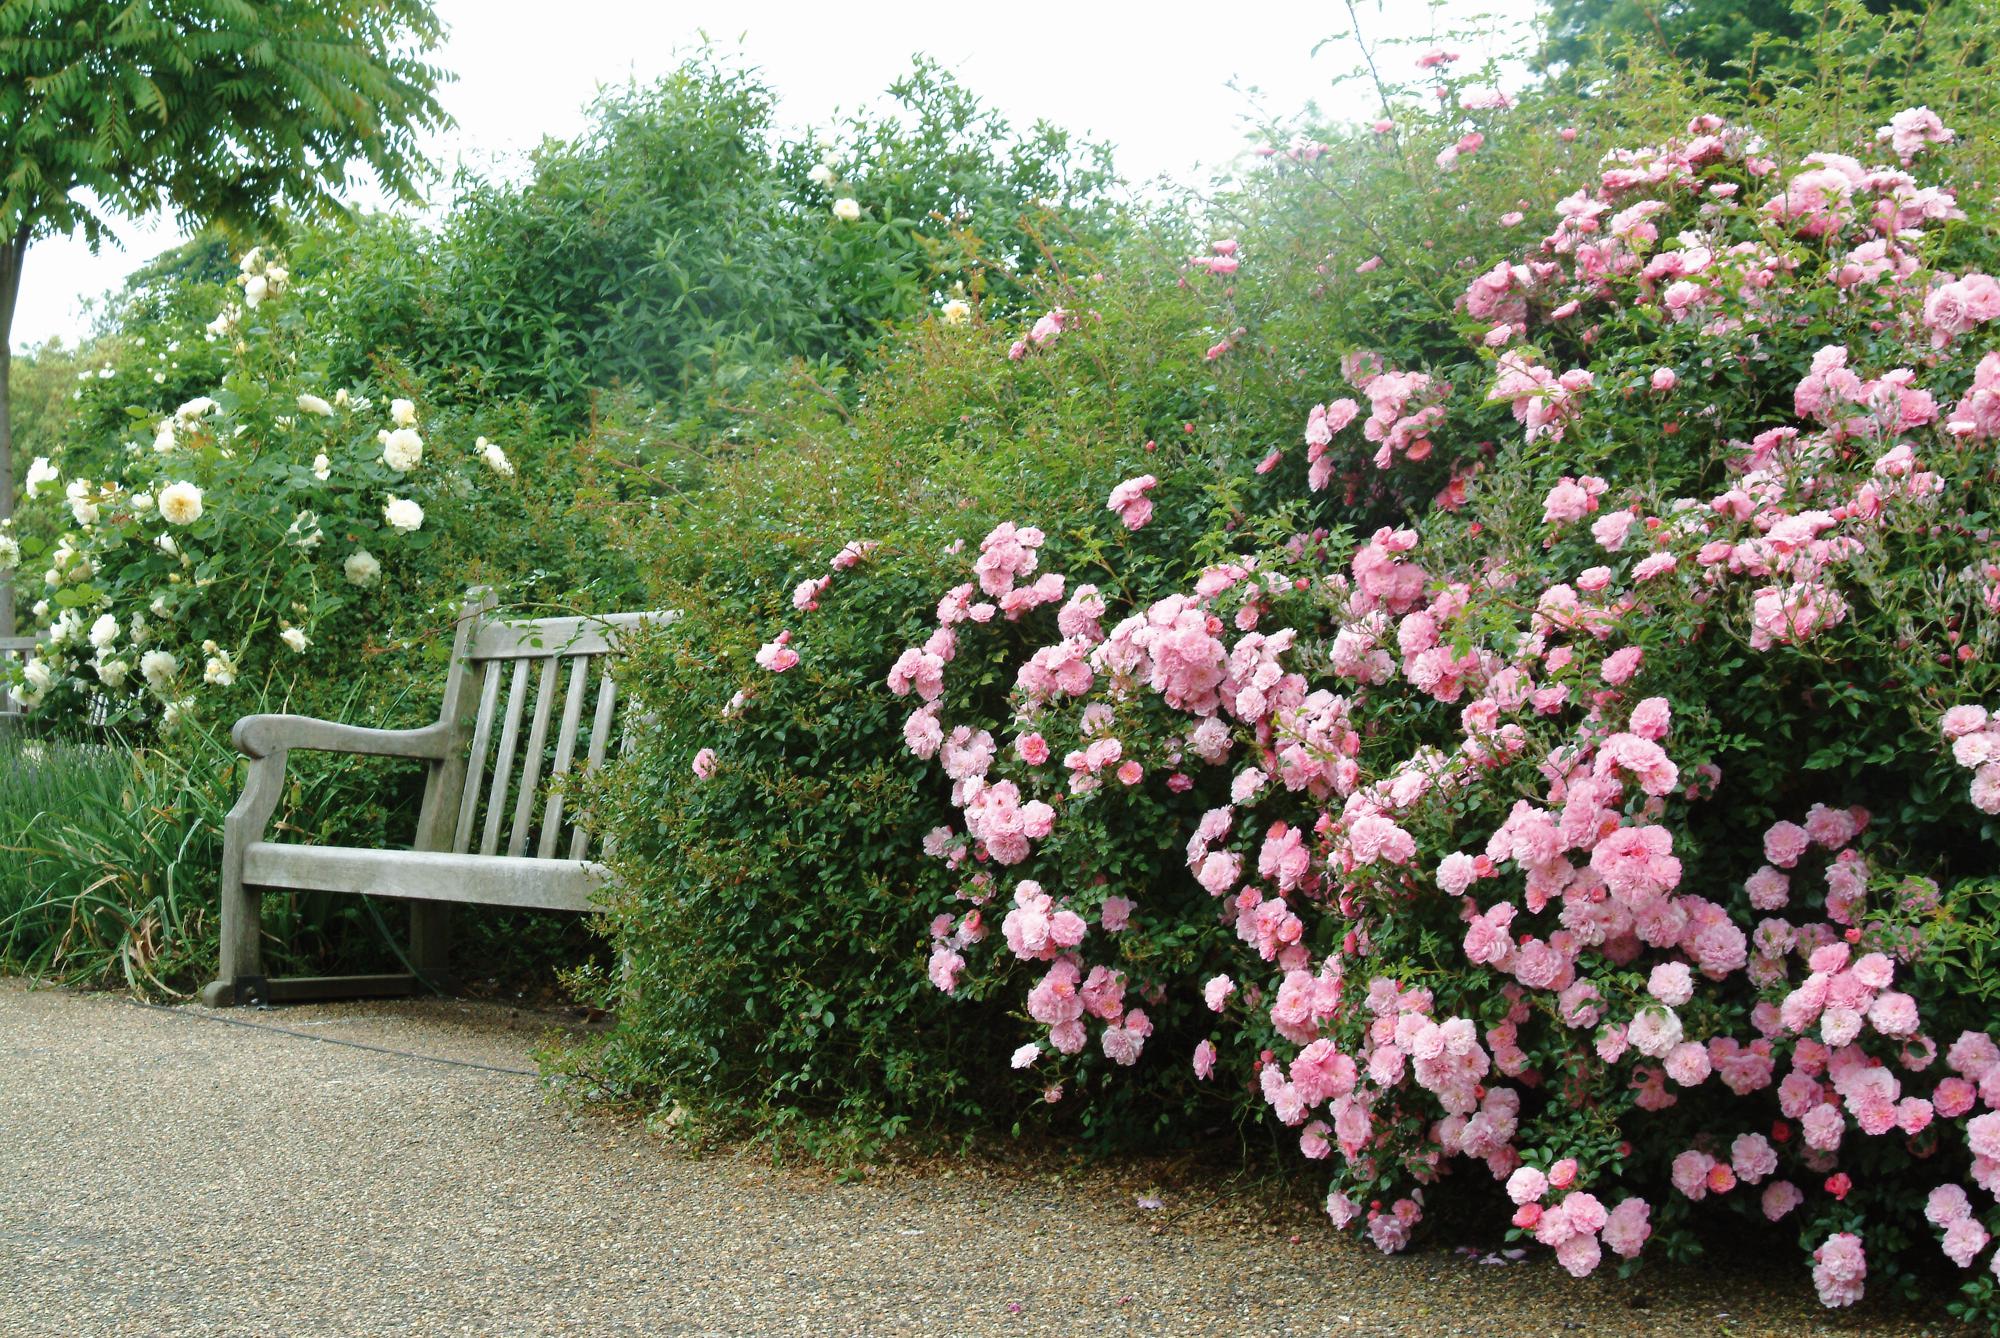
x=958, y=311
x=403, y=449
x=142, y=502
x=163, y=440
x=38, y=673
x=255, y=289
x=495, y=458
x=341, y=398
x=322, y=467
x=403, y=514
x=40, y=472
x=403, y=413
x=314, y=404
x=305, y=531
x=112, y=673
x=82, y=502
x=171, y=716
x=198, y=407
x=180, y=503
x=220, y=670
x=137, y=632
x=158, y=668
x=361, y=568
x=295, y=638
x=821, y=175
x=847, y=209
x=10, y=553
x=104, y=631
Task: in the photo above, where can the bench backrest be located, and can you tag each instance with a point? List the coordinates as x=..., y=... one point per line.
x=531, y=701
x=12, y=648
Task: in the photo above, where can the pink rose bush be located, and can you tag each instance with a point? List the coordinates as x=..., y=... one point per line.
x=1558, y=788
x=1416, y=739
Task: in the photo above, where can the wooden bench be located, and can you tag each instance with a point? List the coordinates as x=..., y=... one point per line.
x=485, y=833
x=12, y=648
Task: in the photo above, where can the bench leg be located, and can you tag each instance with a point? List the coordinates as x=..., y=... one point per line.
x=242, y=941
x=430, y=942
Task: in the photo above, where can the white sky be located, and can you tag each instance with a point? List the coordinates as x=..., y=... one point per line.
x=1152, y=78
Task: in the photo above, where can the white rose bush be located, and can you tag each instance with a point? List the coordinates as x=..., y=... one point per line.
x=242, y=538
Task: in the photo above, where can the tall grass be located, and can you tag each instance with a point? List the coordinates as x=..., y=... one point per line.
x=108, y=859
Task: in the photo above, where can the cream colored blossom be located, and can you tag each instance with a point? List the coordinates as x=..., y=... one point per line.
x=295, y=638
x=847, y=209
x=402, y=450
x=495, y=458
x=361, y=568
x=403, y=514
x=180, y=503
x=322, y=467
x=313, y=404
x=158, y=668
x=402, y=413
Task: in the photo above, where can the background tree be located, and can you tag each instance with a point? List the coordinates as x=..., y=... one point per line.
x=231, y=111
x=1713, y=35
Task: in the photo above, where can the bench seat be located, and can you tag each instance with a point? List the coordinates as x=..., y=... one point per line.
x=426, y=875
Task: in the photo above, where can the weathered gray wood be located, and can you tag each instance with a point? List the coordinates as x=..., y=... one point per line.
x=531, y=764
x=475, y=766
x=428, y=875
x=242, y=926
x=600, y=733
x=572, y=721
x=437, y=820
x=300, y=989
x=500, y=640
x=12, y=648
x=262, y=735
x=503, y=767
x=447, y=779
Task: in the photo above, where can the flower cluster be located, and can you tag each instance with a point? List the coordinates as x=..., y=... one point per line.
x=231, y=531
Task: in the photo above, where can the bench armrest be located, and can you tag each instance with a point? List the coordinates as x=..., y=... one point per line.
x=261, y=735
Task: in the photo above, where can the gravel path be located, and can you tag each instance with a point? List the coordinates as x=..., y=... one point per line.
x=162, y=1174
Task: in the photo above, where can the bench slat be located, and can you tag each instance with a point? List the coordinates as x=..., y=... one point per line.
x=572, y=720
x=544, y=637
x=531, y=765
x=503, y=766
x=482, y=738
x=600, y=734
x=425, y=875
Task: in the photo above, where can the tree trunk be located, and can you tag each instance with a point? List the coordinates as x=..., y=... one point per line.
x=11, y=256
